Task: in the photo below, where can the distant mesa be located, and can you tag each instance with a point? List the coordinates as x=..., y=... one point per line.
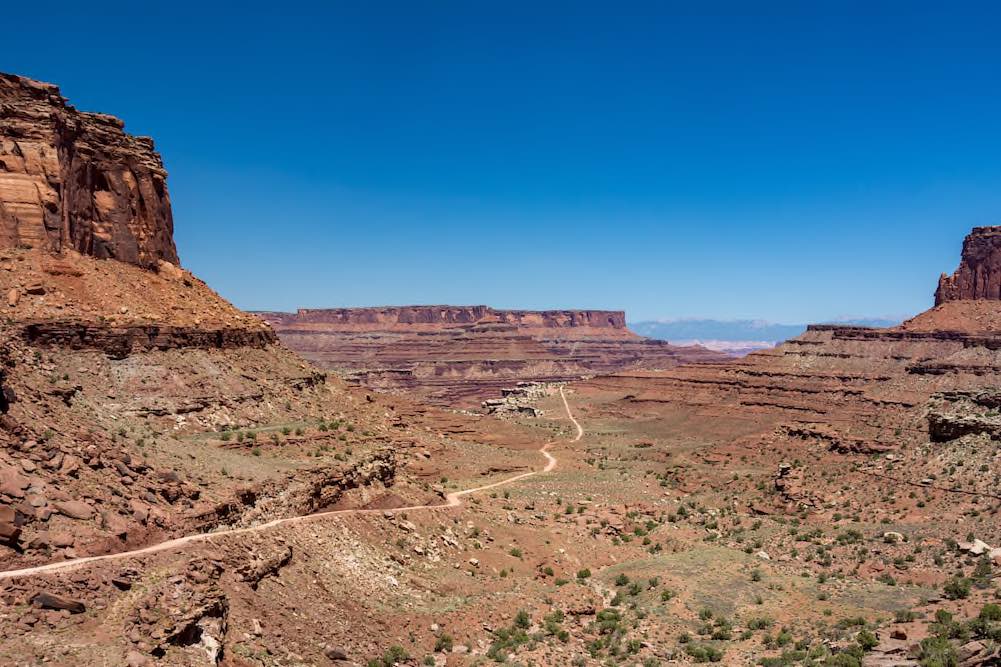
x=612, y=322
x=462, y=355
x=76, y=180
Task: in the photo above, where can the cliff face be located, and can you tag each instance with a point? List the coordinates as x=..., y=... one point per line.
x=75, y=180
x=609, y=321
x=461, y=355
x=979, y=272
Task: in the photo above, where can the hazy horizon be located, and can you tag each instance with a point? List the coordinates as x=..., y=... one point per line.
x=735, y=162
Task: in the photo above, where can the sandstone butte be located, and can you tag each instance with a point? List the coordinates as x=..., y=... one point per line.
x=833, y=500
x=461, y=355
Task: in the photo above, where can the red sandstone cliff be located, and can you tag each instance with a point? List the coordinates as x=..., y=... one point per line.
x=609, y=322
x=75, y=180
x=979, y=272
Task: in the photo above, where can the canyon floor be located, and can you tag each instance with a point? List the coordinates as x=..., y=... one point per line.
x=650, y=541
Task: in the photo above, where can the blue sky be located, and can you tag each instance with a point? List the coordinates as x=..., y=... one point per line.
x=787, y=161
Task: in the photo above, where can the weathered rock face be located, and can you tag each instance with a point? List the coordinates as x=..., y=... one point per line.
x=121, y=342
x=405, y=317
x=70, y=179
x=979, y=272
x=461, y=355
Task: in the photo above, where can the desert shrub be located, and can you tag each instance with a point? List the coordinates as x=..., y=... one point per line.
x=393, y=655
x=867, y=640
x=704, y=653
x=991, y=612
x=937, y=652
x=759, y=623
x=957, y=588
x=982, y=573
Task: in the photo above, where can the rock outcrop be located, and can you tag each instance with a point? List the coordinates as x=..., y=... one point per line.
x=462, y=355
x=979, y=272
x=75, y=180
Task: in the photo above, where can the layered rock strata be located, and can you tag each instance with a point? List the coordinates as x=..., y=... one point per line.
x=846, y=389
x=462, y=355
x=979, y=274
x=75, y=180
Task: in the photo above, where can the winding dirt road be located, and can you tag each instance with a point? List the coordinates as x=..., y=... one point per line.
x=453, y=499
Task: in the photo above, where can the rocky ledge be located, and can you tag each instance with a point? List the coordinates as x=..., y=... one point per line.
x=119, y=342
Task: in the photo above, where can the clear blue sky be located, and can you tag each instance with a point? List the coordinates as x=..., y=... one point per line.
x=792, y=161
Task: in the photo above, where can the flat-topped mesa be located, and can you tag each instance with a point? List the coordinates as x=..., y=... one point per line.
x=979, y=274
x=76, y=180
x=461, y=355
x=605, y=322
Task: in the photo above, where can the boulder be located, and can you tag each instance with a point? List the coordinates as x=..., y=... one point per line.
x=75, y=509
x=12, y=482
x=47, y=600
x=336, y=654
x=9, y=528
x=114, y=523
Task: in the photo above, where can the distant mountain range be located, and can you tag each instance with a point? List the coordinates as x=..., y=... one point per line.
x=737, y=337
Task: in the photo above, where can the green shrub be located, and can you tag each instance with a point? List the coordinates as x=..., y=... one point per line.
x=704, y=652
x=937, y=652
x=991, y=612
x=867, y=640
x=957, y=588
x=393, y=655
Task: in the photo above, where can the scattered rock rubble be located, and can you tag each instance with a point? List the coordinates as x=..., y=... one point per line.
x=520, y=399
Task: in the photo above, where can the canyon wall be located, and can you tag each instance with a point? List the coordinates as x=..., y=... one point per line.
x=462, y=355
x=75, y=180
x=610, y=322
